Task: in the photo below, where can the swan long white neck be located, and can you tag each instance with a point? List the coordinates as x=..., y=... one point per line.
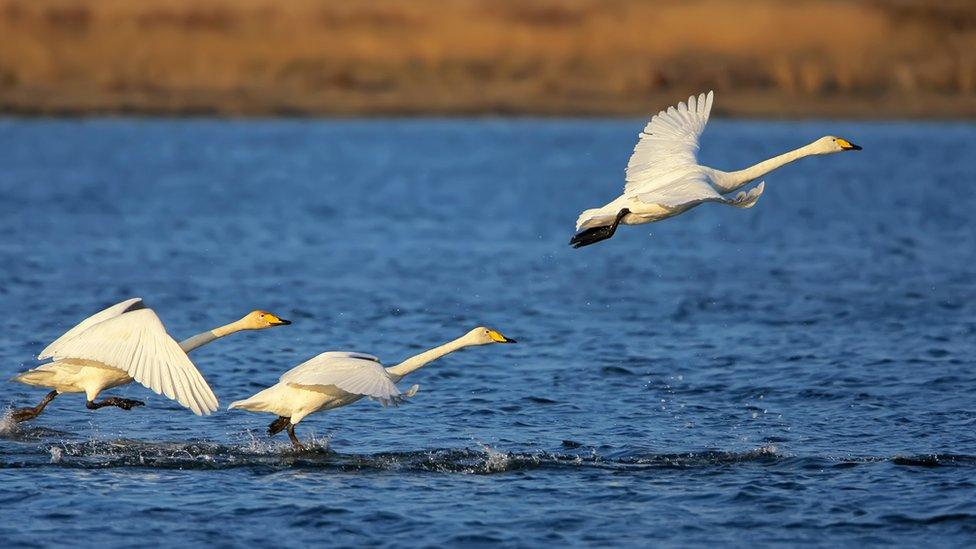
x=203, y=338
x=730, y=181
x=419, y=361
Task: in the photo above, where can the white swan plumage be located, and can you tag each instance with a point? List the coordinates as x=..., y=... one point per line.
x=136, y=343
x=339, y=378
x=664, y=178
x=128, y=342
x=355, y=373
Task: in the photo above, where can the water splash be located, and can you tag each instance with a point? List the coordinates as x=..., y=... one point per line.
x=259, y=453
x=259, y=444
x=256, y=452
x=8, y=426
x=495, y=461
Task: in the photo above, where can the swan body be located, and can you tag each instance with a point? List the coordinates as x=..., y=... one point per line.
x=664, y=179
x=339, y=378
x=124, y=343
x=76, y=376
x=329, y=380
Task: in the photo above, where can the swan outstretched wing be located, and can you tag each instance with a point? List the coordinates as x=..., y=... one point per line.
x=137, y=343
x=665, y=154
x=111, y=312
x=354, y=373
x=685, y=191
x=691, y=192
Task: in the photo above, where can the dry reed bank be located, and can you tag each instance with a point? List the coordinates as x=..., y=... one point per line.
x=862, y=58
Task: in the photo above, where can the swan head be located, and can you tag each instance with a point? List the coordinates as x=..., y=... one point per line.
x=486, y=336
x=260, y=320
x=830, y=144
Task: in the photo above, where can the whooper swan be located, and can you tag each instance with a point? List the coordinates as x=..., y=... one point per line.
x=664, y=178
x=339, y=378
x=127, y=342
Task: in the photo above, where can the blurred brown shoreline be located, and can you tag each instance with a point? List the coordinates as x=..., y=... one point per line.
x=766, y=58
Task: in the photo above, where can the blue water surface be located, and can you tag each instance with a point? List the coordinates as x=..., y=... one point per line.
x=799, y=372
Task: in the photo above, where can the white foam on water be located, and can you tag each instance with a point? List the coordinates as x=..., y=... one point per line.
x=263, y=445
x=7, y=424
x=495, y=461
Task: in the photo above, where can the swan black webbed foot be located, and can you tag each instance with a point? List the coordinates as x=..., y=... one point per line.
x=24, y=414
x=284, y=423
x=596, y=234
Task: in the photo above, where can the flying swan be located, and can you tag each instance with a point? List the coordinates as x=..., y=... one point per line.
x=664, y=178
x=124, y=343
x=338, y=378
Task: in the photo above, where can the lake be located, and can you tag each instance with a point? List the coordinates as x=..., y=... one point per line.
x=801, y=371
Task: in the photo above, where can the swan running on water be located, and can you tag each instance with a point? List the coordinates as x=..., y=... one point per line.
x=664, y=178
x=338, y=378
x=124, y=343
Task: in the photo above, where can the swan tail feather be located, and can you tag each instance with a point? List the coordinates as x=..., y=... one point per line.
x=595, y=217
x=39, y=378
x=246, y=404
x=262, y=401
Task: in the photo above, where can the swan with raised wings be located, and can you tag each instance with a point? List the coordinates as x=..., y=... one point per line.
x=664, y=178
x=123, y=343
x=339, y=378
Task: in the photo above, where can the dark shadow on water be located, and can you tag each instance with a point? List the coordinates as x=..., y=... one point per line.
x=260, y=454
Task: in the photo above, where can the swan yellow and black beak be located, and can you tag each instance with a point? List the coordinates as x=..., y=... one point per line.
x=497, y=337
x=275, y=320
x=847, y=145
